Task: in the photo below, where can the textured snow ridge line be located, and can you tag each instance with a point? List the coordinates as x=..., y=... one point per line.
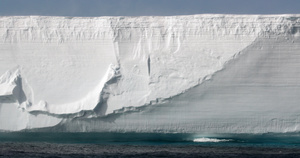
x=53, y=29
x=64, y=29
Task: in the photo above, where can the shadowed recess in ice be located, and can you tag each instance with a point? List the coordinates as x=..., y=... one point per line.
x=198, y=73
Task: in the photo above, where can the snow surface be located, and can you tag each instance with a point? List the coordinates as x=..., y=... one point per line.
x=103, y=73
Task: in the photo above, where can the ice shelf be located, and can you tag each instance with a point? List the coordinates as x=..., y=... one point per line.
x=195, y=73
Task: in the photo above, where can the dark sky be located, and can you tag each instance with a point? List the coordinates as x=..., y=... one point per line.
x=145, y=7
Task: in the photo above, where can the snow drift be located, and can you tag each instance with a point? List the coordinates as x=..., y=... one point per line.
x=197, y=73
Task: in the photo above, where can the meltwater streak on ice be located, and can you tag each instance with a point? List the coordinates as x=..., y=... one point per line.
x=154, y=60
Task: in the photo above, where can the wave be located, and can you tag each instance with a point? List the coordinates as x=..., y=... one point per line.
x=213, y=140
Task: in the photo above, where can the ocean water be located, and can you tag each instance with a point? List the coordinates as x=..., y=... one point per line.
x=32, y=144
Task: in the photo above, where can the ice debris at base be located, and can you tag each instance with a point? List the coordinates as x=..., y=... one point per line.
x=55, y=69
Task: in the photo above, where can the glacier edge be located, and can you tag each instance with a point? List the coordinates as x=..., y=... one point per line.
x=180, y=51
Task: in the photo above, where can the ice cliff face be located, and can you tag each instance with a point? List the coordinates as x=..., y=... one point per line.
x=198, y=73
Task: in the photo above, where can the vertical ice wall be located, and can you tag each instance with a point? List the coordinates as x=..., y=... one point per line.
x=59, y=68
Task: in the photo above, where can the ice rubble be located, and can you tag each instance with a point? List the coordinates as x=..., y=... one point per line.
x=61, y=67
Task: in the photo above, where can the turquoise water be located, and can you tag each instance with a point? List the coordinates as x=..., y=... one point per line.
x=271, y=139
x=144, y=145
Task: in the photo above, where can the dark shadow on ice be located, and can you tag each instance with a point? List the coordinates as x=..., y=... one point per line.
x=101, y=107
x=18, y=92
x=148, y=63
x=7, y=99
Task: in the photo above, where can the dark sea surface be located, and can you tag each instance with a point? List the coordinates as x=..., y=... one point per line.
x=31, y=144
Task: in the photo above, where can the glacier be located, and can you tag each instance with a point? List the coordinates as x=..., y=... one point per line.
x=192, y=74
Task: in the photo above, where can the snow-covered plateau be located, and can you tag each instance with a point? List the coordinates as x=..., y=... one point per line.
x=191, y=74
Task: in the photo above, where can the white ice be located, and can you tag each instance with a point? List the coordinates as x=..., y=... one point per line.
x=54, y=69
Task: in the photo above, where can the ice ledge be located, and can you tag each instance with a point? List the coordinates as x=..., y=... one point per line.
x=87, y=103
x=11, y=85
